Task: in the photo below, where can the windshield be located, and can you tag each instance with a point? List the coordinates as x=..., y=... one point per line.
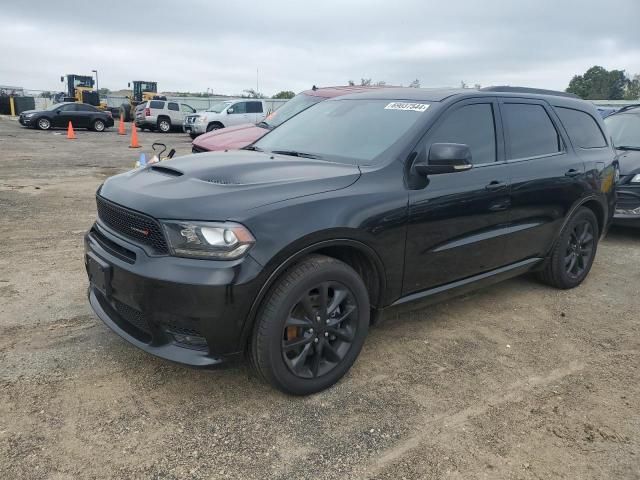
x=292, y=107
x=347, y=131
x=624, y=128
x=218, y=107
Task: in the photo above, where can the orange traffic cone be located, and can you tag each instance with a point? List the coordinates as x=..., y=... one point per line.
x=134, y=137
x=121, y=126
x=70, y=133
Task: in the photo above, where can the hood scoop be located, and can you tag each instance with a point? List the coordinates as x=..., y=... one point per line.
x=167, y=171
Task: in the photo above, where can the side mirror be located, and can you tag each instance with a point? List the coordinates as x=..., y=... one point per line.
x=445, y=158
x=230, y=110
x=129, y=85
x=62, y=79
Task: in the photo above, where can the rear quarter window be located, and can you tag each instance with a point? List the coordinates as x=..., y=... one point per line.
x=156, y=104
x=582, y=128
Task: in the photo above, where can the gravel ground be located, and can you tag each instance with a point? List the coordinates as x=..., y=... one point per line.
x=515, y=381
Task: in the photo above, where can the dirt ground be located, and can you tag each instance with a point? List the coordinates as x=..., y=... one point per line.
x=517, y=381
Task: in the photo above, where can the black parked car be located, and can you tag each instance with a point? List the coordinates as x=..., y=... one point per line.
x=624, y=128
x=81, y=115
x=289, y=249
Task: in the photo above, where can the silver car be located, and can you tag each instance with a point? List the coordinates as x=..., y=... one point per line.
x=162, y=115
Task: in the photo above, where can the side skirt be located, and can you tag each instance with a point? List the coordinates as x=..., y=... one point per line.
x=460, y=287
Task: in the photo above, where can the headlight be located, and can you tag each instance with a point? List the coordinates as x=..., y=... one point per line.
x=215, y=241
x=636, y=178
x=201, y=119
x=29, y=114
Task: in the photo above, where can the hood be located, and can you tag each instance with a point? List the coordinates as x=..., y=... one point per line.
x=230, y=138
x=221, y=186
x=25, y=112
x=629, y=161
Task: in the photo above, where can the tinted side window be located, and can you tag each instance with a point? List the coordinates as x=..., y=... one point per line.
x=472, y=125
x=240, y=107
x=174, y=106
x=156, y=104
x=531, y=131
x=582, y=128
x=86, y=108
x=254, y=107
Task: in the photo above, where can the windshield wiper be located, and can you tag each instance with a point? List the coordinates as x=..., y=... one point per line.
x=627, y=147
x=293, y=153
x=253, y=148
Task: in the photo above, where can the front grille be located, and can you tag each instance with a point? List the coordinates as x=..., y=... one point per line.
x=134, y=318
x=195, y=149
x=132, y=224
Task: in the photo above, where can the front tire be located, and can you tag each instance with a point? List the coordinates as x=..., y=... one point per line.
x=214, y=126
x=575, y=250
x=44, y=124
x=311, y=326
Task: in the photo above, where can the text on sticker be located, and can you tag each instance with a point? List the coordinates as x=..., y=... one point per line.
x=416, y=107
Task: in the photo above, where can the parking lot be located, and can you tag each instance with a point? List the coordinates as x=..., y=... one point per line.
x=515, y=381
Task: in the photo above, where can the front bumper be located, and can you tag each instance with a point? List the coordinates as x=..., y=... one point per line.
x=627, y=210
x=194, y=128
x=183, y=310
x=25, y=121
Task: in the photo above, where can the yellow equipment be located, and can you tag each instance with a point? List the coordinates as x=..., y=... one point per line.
x=79, y=88
x=142, y=92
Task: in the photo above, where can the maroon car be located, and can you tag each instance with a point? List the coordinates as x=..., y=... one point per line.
x=234, y=138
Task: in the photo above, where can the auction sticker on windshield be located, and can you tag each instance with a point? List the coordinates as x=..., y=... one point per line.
x=416, y=107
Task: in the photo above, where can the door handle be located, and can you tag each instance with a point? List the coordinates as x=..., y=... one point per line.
x=572, y=173
x=496, y=186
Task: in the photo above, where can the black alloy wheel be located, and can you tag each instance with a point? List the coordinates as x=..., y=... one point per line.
x=319, y=330
x=579, y=250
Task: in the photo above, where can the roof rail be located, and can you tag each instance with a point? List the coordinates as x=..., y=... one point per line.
x=539, y=91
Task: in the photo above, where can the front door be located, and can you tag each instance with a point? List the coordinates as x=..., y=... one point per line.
x=458, y=222
x=238, y=114
x=64, y=115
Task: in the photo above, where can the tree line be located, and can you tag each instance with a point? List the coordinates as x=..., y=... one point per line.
x=598, y=83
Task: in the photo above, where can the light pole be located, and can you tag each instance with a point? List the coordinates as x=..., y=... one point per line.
x=97, y=85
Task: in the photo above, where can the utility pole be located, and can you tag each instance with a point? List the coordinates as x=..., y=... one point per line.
x=257, y=84
x=97, y=85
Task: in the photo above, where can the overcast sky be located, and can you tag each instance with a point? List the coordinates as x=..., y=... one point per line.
x=196, y=44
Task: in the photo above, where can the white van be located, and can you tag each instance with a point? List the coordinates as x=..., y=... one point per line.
x=228, y=113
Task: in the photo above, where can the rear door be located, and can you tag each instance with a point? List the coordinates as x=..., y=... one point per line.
x=547, y=177
x=83, y=115
x=239, y=114
x=174, y=113
x=459, y=221
x=256, y=111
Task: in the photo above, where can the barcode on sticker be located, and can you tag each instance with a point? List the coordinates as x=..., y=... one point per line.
x=416, y=107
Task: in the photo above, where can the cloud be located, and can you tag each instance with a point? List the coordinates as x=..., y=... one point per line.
x=202, y=44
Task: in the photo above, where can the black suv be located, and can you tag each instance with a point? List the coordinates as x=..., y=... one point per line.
x=289, y=249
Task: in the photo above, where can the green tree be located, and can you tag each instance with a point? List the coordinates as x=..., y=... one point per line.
x=251, y=93
x=365, y=82
x=415, y=84
x=632, y=92
x=284, y=94
x=598, y=83
x=46, y=94
x=104, y=91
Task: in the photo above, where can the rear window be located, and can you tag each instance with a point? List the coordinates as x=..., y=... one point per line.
x=582, y=128
x=156, y=104
x=531, y=132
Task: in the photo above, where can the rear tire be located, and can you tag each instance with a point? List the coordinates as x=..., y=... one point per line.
x=164, y=125
x=125, y=112
x=574, y=252
x=311, y=326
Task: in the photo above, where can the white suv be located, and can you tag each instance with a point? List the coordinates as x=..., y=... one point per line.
x=228, y=113
x=162, y=115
